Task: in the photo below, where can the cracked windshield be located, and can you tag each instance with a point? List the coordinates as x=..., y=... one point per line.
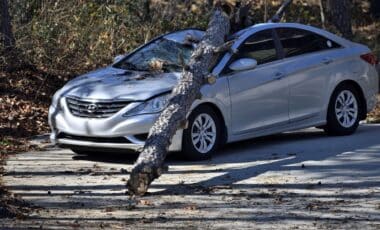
x=161, y=55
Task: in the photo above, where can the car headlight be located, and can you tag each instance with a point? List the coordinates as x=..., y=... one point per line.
x=154, y=105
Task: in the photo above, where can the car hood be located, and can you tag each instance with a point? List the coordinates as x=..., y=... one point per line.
x=118, y=84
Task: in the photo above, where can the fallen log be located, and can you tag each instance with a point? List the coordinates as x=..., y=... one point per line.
x=150, y=164
x=226, y=18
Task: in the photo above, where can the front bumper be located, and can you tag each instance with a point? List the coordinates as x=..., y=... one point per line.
x=72, y=143
x=71, y=131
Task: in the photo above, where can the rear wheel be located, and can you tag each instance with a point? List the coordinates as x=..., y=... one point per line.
x=344, y=111
x=203, y=136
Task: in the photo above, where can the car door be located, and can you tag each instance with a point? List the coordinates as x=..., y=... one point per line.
x=308, y=58
x=259, y=97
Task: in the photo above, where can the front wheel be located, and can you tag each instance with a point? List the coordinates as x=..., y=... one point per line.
x=203, y=135
x=344, y=111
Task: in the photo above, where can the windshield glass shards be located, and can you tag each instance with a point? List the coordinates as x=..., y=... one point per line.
x=162, y=55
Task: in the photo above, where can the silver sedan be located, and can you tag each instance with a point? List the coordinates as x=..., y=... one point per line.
x=282, y=77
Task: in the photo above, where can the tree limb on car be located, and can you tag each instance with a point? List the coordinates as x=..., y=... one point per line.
x=226, y=19
x=149, y=165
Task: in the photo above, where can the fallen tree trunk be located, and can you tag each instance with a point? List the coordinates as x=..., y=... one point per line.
x=149, y=165
x=226, y=18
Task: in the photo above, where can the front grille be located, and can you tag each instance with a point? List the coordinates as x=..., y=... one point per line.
x=94, y=109
x=119, y=140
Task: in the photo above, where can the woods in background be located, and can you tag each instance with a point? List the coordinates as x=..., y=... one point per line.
x=70, y=37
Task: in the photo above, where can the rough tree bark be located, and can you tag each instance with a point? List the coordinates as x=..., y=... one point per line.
x=6, y=26
x=339, y=14
x=149, y=165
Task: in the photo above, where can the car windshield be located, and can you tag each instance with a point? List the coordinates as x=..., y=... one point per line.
x=161, y=55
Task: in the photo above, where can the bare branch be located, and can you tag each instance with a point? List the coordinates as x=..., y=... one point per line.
x=280, y=12
x=225, y=47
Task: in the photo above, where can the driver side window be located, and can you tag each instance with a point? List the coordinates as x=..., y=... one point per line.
x=259, y=46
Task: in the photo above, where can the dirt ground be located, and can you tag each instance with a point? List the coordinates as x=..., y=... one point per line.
x=297, y=180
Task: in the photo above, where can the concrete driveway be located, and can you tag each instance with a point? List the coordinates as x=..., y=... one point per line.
x=301, y=179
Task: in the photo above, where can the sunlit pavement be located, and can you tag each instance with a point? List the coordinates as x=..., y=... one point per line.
x=300, y=179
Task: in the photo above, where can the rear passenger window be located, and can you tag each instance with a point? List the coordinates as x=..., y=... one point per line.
x=297, y=42
x=259, y=46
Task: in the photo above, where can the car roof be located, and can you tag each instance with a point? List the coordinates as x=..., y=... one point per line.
x=198, y=33
x=270, y=25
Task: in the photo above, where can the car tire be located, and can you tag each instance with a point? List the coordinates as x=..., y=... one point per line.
x=344, y=111
x=202, y=137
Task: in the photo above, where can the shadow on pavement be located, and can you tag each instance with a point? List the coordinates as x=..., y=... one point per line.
x=340, y=169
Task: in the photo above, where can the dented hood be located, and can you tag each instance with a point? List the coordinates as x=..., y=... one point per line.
x=118, y=84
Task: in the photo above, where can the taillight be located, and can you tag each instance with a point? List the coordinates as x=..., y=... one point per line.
x=370, y=58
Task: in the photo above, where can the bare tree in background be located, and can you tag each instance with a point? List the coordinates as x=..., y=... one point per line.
x=322, y=12
x=146, y=10
x=6, y=26
x=150, y=164
x=339, y=14
x=265, y=10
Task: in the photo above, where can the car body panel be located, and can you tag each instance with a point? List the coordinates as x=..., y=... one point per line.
x=258, y=99
x=115, y=84
x=306, y=84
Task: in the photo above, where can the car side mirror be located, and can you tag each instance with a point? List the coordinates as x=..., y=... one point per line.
x=243, y=64
x=119, y=57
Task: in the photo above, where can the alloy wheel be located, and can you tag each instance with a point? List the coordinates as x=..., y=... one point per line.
x=203, y=133
x=346, y=109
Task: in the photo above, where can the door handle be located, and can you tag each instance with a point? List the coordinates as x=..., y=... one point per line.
x=279, y=76
x=327, y=61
